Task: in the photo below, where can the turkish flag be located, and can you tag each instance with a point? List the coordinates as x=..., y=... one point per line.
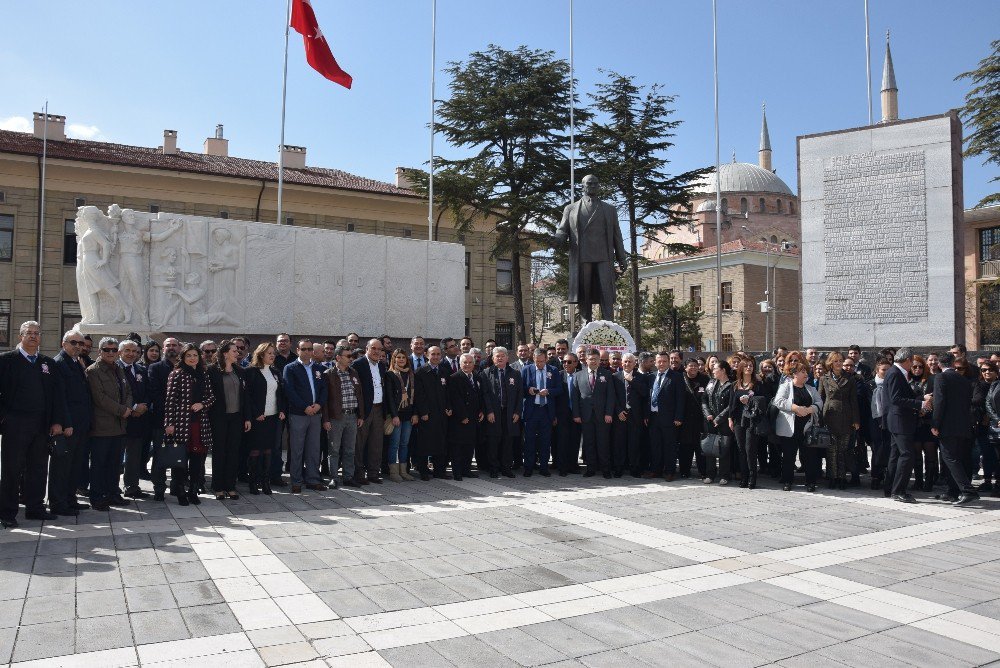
x=317, y=50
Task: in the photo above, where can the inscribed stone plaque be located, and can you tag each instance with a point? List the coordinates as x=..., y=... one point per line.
x=881, y=235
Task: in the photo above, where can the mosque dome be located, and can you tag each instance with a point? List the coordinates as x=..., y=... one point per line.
x=743, y=177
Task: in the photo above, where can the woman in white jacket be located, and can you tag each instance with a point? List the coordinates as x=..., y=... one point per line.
x=799, y=407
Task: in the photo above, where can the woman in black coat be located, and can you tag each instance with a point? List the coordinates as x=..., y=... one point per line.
x=715, y=405
x=267, y=407
x=769, y=381
x=230, y=419
x=689, y=433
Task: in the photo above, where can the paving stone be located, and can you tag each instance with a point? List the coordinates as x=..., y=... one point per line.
x=202, y=592
x=471, y=651
x=527, y=649
x=105, y=632
x=39, y=641
x=210, y=620
x=156, y=597
x=158, y=626
x=568, y=640
x=415, y=655
x=100, y=603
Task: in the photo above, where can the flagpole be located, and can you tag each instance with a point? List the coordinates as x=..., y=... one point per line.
x=718, y=185
x=430, y=180
x=284, y=89
x=41, y=215
x=572, y=122
x=868, y=64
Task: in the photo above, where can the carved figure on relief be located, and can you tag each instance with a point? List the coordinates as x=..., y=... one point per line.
x=223, y=266
x=94, y=274
x=134, y=237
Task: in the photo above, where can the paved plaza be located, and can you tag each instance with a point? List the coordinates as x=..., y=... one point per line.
x=556, y=572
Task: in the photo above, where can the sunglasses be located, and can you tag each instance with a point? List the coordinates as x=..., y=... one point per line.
x=211, y=351
x=109, y=350
x=985, y=369
x=75, y=343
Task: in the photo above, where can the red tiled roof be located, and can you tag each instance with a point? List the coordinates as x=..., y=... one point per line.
x=184, y=161
x=734, y=246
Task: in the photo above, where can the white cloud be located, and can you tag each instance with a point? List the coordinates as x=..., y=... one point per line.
x=16, y=123
x=81, y=131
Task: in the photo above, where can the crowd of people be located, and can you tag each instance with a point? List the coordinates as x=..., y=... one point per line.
x=334, y=414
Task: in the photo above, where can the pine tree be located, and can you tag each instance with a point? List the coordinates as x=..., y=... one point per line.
x=982, y=111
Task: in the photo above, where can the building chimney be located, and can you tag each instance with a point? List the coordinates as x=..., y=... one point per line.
x=169, y=142
x=217, y=145
x=293, y=157
x=50, y=127
x=404, y=177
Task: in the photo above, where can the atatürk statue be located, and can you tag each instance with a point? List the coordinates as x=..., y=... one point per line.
x=591, y=226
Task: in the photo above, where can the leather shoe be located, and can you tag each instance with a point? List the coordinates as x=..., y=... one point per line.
x=545, y=473
x=119, y=501
x=607, y=474
x=472, y=475
x=136, y=494
x=494, y=474
x=508, y=474
x=425, y=476
x=66, y=512
x=648, y=475
x=669, y=477
x=79, y=506
x=351, y=483
x=964, y=499
x=590, y=474
x=278, y=481
x=158, y=496
x=8, y=522
x=946, y=498
x=376, y=479
x=903, y=498
x=100, y=506
x=40, y=515
x=563, y=474
x=457, y=477
x=296, y=489
x=527, y=473
x=319, y=487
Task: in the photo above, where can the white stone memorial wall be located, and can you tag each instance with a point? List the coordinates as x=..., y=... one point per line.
x=191, y=274
x=881, y=235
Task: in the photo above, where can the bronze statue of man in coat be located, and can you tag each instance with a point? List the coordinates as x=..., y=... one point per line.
x=595, y=243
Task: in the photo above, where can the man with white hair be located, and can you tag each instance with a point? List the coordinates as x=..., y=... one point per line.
x=468, y=409
x=112, y=398
x=31, y=410
x=504, y=397
x=137, y=427
x=902, y=414
x=67, y=461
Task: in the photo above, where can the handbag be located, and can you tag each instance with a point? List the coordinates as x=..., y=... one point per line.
x=59, y=447
x=387, y=426
x=713, y=444
x=759, y=416
x=170, y=454
x=819, y=437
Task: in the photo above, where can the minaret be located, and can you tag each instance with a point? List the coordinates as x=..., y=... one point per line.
x=764, y=153
x=890, y=94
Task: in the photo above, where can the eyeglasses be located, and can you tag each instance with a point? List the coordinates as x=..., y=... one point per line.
x=210, y=351
x=75, y=343
x=109, y=350
x=986, y=369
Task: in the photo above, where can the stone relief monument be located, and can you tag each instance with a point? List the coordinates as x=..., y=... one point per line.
x=881, y=234
x=175, y=273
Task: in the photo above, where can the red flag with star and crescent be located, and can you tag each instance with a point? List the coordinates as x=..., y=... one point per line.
x=318, y=53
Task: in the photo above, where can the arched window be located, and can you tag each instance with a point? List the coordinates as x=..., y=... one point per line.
x=763, y=207
x=779, y=206
x=725, y=204
x=791, y=207
x=744, y=206
x=774, y=238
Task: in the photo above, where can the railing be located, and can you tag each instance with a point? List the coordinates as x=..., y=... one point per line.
x=989, y=269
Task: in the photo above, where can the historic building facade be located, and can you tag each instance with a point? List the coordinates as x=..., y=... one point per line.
x=982, y=278
x=209, y=183
x=760, y=261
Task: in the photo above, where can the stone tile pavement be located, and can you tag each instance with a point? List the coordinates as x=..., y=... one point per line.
x=521, y=572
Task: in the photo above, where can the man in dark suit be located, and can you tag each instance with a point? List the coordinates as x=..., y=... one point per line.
x=430, y=405
x=376, y=392
x=952, y=420
x=666, y=414
x=449, y=360
x=631, y=416
x=594, y=409
x=418, y=355
x=76, y=426
x=505, y=400
x=137, y=426
x=566, y=435
x=903, y=412
x=31, y=412
x=466, y=399
x=541, y=385
x=305, y=391
x=156, y=393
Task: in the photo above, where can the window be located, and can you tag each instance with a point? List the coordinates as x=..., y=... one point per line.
x=79, y=201
x=505, y=277
x=289, y=220
x=224, y=214
x=408, y=233
x=546, y=320
x=778, y=204
x=466, y=326
x=468, y=270
x=728, y=343
x=763, y=207
x=70, y=315
x=791, y=207
x=3, y=197
x=6, y=237
x=774, y=238
x=503, y=332
x=154, y=208
x=69, y=242
x=744, y=205
x=696, y=296
x=989, y=244
x=670, y=293
x=725, y=204
x=727, y=297
x=564, y=314
x=350, y=227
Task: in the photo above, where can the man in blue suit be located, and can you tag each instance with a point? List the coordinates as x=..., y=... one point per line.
x=666, y=414
x=137, y=426
x=542, y=383
x=305, y=391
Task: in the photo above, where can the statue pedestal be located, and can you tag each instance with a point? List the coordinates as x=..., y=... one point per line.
x=605, y=335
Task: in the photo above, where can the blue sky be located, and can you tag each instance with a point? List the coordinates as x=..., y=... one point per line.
x=125, y=71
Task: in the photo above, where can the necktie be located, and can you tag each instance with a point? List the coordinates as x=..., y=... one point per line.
x=419, y=362
x=454, y=365
x=32, y=358
x=593, y=380
x=502, y=397
x=539, y=399
x=656, y=389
